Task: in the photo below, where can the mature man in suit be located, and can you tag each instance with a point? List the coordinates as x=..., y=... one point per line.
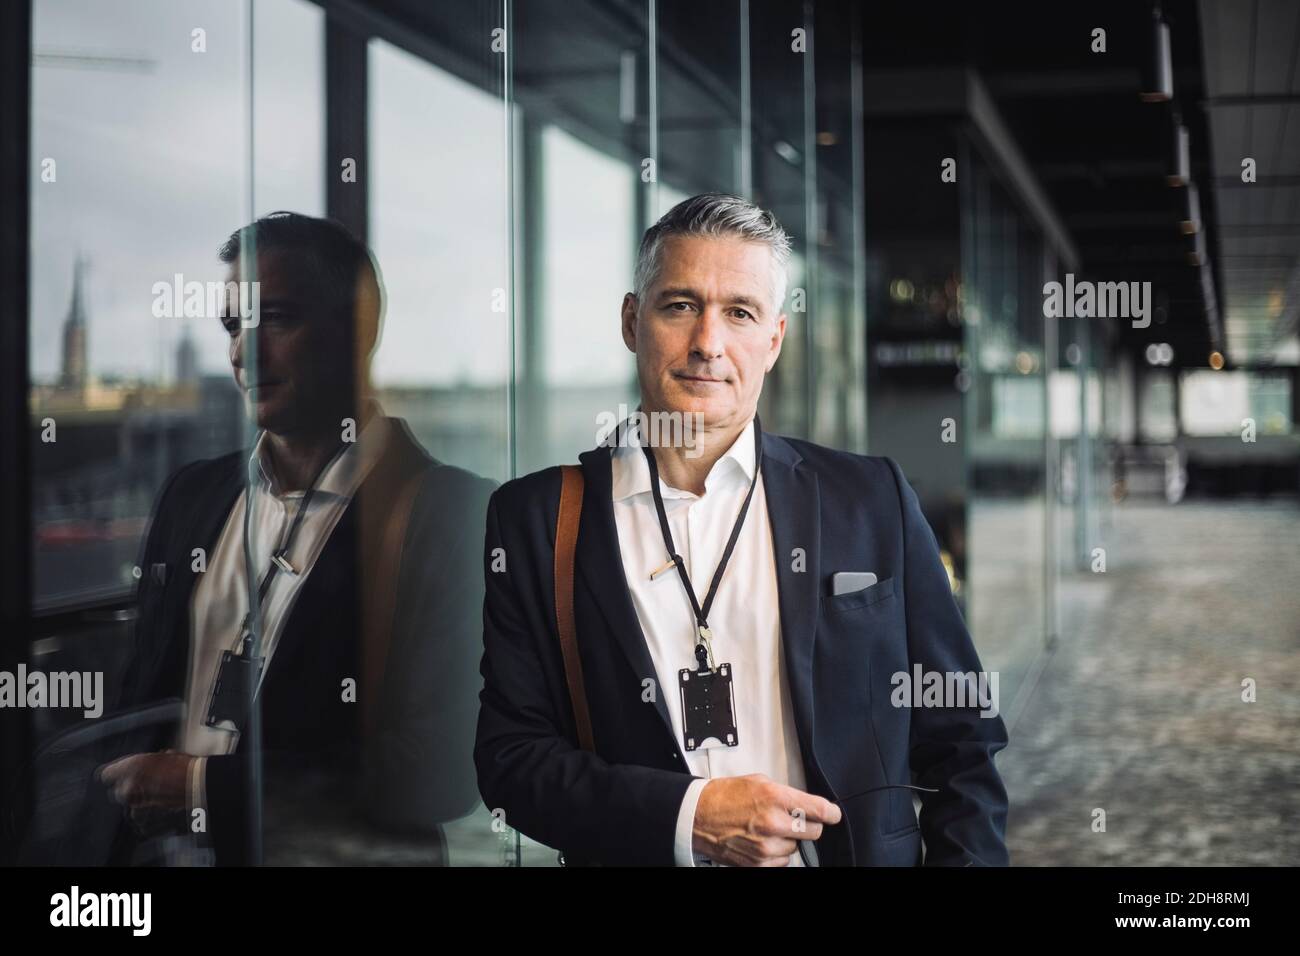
x=367, y=587
x=797, y=751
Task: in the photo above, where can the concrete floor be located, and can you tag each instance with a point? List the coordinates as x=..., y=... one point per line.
x=1139, y=710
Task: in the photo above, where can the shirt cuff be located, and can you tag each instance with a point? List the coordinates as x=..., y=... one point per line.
x=683, y=855
x=197, y=788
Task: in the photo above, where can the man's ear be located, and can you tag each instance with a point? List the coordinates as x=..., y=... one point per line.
x=629, y=321
x=778, y=336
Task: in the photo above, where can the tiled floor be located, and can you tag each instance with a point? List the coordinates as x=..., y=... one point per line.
x=1139, y=711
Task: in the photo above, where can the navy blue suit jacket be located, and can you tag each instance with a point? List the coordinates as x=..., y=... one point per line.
x=620, y=805
x=417, y=767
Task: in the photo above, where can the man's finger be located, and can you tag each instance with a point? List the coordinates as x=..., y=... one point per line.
x=792, y=825
x=128, y=789
x=810, y=831
x=769, y=852
x=815, y=809
x=779, y=849
x=111, y=772
x=749, y=855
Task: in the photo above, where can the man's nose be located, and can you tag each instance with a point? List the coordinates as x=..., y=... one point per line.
x=240, y=346
x=237, y=356
x=707, y=335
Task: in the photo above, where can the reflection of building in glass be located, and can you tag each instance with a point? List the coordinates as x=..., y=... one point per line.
x=187, y=359
x=115, y=440
x=73, y=375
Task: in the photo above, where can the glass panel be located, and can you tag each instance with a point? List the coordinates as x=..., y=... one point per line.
x=1217, y=403
x=439, y=147
x=133, y=385
x=586, y=169
x=489, y=169
x=698, y=76
x=439, y=231
x=1006, y=409
x=916, y=258
x=139, y=114
x=1157, y=420
x=588, y=255
x=289, y=107
x=839, y=331
x=782, y=55
x=358, y=751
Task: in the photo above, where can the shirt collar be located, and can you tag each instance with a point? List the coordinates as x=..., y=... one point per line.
x=631, y=472
x=345, y=474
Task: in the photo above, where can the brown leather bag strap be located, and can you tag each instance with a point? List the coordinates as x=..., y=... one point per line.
x=380, y=615
x=566, y=544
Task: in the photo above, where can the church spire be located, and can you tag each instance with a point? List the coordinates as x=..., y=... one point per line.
x=74, y=331
x=77, y=309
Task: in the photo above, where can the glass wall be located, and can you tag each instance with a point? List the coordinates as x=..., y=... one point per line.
x=162, y=129
x=439, y=227
x=917, y=367
x=965, y=379
x=129, y=388
x=500, y=161
x=1004, y=264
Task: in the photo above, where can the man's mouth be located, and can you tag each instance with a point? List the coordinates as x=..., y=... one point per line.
x=683, y=376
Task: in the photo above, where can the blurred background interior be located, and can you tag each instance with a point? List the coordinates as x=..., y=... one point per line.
x=1117, y=506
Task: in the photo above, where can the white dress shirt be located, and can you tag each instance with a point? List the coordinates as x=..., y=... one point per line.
x=220, y=597
x=744, y=620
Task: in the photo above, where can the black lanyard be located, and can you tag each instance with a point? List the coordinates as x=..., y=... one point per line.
x=278, y=559
x=703, y=634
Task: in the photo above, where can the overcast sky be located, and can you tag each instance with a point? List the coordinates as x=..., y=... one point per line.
x=153, y=174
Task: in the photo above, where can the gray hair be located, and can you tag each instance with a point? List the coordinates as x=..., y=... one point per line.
x=714, y=215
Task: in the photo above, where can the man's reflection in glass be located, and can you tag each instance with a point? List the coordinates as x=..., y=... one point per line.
x=366, y=553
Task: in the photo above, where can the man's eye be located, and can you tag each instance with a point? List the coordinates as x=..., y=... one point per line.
x=742, y=313
x=673, y=306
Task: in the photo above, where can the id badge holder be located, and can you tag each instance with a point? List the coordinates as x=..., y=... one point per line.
x=234, y=689
x=708, y=708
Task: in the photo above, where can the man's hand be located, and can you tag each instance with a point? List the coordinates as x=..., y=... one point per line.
x=755, y=821
x=153, y=788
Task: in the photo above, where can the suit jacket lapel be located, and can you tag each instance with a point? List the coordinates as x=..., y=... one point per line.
x=351, y=552
x=197, y=524
x=794, y=508
x=600, y=565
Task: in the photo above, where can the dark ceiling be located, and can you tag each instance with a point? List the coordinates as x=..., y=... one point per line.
x=1100, y=153
x=1252, y=56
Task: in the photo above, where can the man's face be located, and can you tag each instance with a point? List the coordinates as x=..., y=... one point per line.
x=707, y=330
x=303, y=369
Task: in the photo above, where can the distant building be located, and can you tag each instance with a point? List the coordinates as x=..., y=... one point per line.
x=187, y=359
x=73, y=374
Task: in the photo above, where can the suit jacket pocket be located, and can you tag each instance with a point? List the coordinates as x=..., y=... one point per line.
x=901, y=832
x=865, y=597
